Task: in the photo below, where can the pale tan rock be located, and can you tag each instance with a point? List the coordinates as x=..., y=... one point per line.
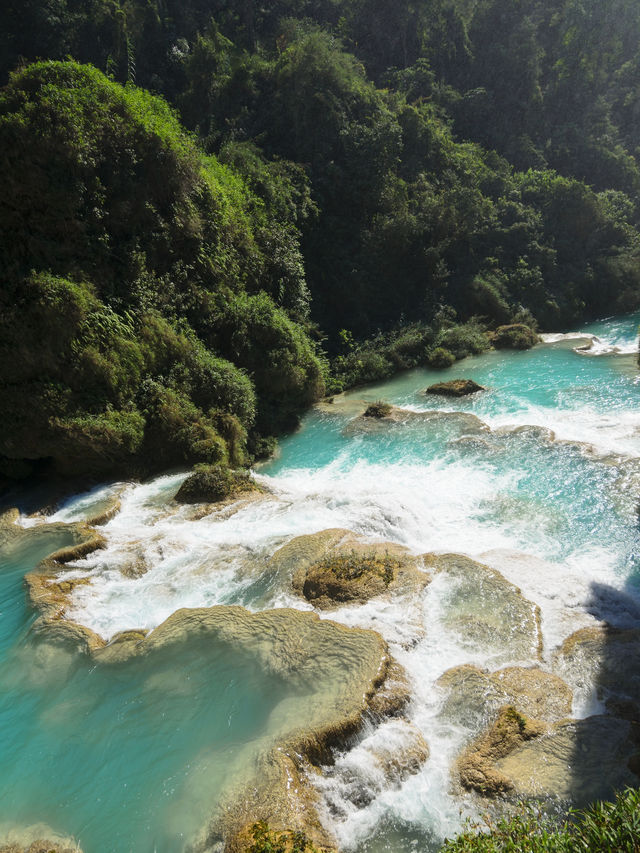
x=478, y=767
x=577, y=760
x=487, y=611
x=336, y=566
x=474, y=694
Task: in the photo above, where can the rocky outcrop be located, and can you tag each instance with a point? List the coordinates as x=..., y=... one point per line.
x=477, y=767
x=215, y=483
x=455, y=388
x=485, y=610
x=515, y=336
x=456, y=422
x=472, y=694
x=51, y=596
x=334, y=567
x=577, y=761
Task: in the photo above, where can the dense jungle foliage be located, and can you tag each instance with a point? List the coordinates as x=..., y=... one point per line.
x=213, y=210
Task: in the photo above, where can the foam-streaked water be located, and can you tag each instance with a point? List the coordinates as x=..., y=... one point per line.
x=553, y=509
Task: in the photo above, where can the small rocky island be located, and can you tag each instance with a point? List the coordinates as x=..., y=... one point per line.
x=455, y=388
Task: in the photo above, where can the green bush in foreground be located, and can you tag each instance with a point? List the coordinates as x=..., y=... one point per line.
x=613, y=827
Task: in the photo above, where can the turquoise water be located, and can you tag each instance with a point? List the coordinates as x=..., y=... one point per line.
x=135, y=757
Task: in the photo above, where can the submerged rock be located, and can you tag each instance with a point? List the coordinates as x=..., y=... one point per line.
x=40, y=846
x=37, y=838
x=455, y=424
x=455, y=388
x=335, y=566
x=333, y=674
x=486, y=611
x=326, y=678
x=473, y=694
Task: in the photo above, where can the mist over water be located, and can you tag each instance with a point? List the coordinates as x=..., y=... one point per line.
x=538, y=477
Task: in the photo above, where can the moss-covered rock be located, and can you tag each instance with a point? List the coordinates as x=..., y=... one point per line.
x=335, y=566
x=259, y=837
x=349, y=577
x=214, y=483
x=514, y=336
x=455, y=388
x=379, y=409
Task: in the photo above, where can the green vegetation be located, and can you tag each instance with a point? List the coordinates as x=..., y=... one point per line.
x=212, y=483
x=605, y=826
x=515, y=336
x=365, y=186
x=128, y=339
x=353, y=566
x=266, y=840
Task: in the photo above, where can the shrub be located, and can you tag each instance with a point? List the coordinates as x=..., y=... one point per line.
x=464, y=339
x=604, y=826
x=440, y=357
x=213, y=483
x=379, y=409
x=515, y=336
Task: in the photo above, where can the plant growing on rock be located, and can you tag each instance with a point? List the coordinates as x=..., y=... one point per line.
x=379, y=409
x=266, y=840
x=213, y=483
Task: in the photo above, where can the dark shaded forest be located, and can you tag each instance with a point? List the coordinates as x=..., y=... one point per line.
x=215, y=212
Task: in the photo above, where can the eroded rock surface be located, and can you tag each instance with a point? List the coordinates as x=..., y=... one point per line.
x=326, y=677
x=381, y=761
x=474, y=695
x=453, y=424
x=40, y=846
x=485, y=610
x=577, y=760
